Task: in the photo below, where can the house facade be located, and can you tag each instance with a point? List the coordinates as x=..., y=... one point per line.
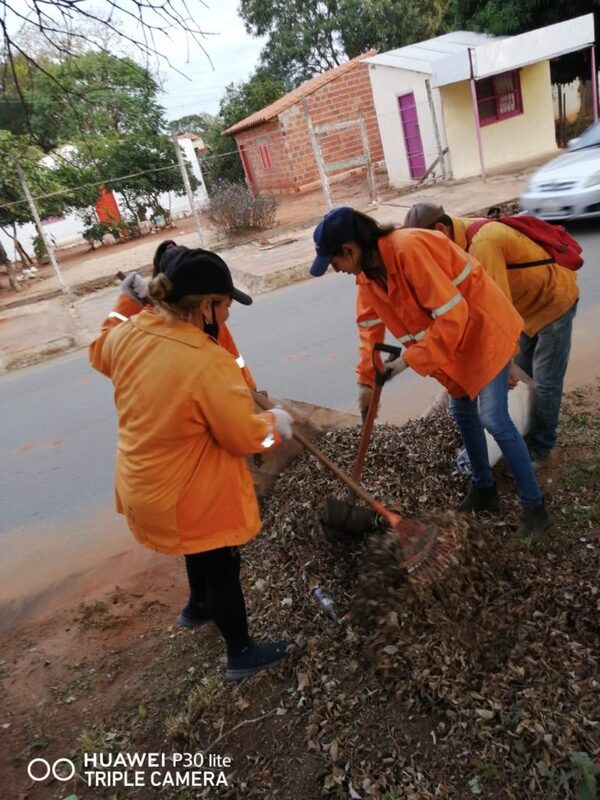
x=462, y=103
x=275, y=143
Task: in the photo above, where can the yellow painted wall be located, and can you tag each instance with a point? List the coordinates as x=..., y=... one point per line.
x=521, y=137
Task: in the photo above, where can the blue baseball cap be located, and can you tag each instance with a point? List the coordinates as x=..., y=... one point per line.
x=336, y=227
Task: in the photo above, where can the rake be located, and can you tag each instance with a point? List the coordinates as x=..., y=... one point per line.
x=426, y=549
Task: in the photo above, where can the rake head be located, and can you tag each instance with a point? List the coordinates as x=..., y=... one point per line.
x=427, y=550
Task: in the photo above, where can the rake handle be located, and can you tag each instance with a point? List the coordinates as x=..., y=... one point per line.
x=381, y=377
x=367, y=431
x=327, y=462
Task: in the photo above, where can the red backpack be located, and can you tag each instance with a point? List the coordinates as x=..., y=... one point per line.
x=563, y=248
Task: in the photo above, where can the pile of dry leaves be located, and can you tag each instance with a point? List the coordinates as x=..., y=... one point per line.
x=485, y=683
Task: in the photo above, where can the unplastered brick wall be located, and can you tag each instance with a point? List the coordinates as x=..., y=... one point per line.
x=342, y=99
x=265, y=159
x=293, y=167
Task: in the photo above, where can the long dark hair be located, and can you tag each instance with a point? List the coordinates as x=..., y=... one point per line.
x=164, y=253
x=368, y=232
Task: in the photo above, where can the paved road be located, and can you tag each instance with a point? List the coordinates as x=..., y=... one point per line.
x=58, y=437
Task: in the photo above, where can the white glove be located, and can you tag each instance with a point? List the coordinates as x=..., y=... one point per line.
x=365, y=393
x=396, y=366
x=283, y=422
x=136, y=287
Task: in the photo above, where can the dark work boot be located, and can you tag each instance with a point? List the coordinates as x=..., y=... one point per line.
x=535, y=522
x=481, y=498
x=253, y=658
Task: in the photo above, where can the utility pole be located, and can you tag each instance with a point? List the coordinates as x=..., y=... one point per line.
x=188, y=188
x=40, y=228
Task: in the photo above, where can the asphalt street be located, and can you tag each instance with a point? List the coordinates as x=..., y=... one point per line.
x=58, y=438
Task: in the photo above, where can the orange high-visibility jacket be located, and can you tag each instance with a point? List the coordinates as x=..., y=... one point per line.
x=454, y=321
x=540, y=294
x=186, y=421
x=126, y=307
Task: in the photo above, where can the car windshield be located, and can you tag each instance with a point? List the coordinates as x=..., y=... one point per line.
x=590, y=138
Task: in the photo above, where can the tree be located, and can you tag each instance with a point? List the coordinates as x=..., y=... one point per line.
x=14, y=209
x=244, y=98
x=139, y=168
x=105, y=95
x=192, y=123
x=69, y=26
x=509, y=17
x=239, y=101
x=307, y=37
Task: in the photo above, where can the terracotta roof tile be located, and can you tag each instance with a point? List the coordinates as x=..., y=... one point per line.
x=289, y=99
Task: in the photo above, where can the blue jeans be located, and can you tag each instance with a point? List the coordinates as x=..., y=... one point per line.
x=489, y=410
x=544, y=357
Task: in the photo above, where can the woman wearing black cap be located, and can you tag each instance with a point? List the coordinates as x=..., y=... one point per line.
x=134, y=289
x=186, y=421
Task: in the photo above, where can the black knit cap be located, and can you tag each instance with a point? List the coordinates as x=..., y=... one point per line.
x=201, y=272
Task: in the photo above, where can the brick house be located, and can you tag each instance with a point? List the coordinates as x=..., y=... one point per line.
x=274, y=143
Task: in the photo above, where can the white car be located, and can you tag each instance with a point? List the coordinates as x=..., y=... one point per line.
x=568, y=186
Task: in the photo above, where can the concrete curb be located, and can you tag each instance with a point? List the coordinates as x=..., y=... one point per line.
x=34, y=355
x=294, y=270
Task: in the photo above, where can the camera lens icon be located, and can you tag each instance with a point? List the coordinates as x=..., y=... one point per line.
x=39, y=769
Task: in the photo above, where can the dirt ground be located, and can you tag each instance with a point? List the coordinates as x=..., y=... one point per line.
x=115, y=674
x=293, y=210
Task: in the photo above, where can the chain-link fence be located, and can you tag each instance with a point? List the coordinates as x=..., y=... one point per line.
x=254, y=188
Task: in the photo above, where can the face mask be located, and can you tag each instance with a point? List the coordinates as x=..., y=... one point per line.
x=212, y=328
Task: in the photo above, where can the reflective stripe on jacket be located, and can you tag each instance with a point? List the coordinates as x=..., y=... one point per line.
x=126, y=307
x=454, y=321
x=186, y=422
x=540, y=294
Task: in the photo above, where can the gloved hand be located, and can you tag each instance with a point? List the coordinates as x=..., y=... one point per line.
x=283, y=422
x=396, y=366
x=135, y=287
x=365, y=393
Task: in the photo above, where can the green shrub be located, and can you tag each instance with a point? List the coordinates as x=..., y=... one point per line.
x=95, y=233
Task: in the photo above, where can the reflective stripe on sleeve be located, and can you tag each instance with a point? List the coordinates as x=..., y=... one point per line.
x=369, y=323
x=116, y=315
x=443, y=309
x=467, y=269
x=437, y=312
x=412, y=337
x=269, y=439
x=240, y=362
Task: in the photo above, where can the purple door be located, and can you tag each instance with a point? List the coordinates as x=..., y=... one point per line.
x=412, y=136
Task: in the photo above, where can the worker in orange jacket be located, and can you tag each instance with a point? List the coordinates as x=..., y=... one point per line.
x=134, y=289
x=545, y=296
x=186, y=421
x=457, y=327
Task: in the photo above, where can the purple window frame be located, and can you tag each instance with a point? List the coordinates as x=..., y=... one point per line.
x=496, y=100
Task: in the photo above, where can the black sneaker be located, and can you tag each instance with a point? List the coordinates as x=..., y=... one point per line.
x=535, y=522
x=254, y=658
x=540, y=460
x=193, y=617
x=481, y=498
